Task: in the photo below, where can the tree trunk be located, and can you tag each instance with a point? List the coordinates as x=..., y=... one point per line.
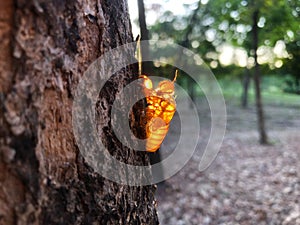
x=246, y=83
x=47, y=45
x=142, y=21
x=147, y=66
x=259, y=105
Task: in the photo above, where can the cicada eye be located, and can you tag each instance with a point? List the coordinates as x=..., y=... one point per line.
x=166, y=87
x=146, y=82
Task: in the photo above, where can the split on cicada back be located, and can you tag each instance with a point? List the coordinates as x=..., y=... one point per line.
x=160, y=108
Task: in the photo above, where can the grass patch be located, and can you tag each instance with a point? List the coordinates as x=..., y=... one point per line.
x=271, y=91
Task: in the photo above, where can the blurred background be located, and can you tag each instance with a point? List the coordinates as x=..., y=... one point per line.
x=253, y=49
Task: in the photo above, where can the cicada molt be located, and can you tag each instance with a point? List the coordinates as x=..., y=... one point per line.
x=160, y=110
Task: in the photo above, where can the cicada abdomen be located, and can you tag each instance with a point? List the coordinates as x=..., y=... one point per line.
x=160, y=110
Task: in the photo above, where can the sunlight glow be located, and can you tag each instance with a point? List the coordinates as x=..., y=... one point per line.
x=278, y=63
x=214, y=64
x=290, y=34
x=240, y=57
x=280, y=49
x=244, y=3
x=133, y=13
x=226, y=54
x=231, y=55
x=195, y=44
x=210, y=35
x=250, y=62
x=204, y=2
x=261, y=22
x=224, y=25
x=265, y=55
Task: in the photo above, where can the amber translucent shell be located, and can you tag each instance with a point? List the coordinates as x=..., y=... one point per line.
x=160, y=110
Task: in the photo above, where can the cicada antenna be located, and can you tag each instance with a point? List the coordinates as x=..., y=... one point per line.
x=175, y=77
x=139, y=55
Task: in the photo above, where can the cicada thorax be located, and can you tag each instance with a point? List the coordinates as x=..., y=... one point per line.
x=160, y=110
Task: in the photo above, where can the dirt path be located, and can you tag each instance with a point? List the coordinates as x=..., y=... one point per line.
x=247, y=183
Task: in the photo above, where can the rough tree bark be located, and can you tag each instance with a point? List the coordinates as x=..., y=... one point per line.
x=46, y=46
x=256, y=76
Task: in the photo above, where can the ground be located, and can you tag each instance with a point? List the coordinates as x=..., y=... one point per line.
x=248, y=183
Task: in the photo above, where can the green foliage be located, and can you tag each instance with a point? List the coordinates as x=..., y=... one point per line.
x=180, y=28
x=230, y=21
x=279, y=20
x=166, y=27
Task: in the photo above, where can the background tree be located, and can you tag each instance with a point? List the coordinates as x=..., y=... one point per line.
x=47, y=45
x=253, y=24
x=144, y=32
x=259, y=106
x=220, y=22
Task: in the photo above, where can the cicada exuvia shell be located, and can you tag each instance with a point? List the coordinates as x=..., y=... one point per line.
x=160, y=109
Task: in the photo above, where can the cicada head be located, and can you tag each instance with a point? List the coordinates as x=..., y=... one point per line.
x=166, y=86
